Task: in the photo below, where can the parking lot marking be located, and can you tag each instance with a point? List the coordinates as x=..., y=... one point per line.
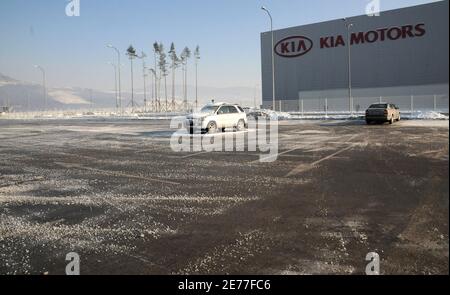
x=303, y=167
x=116, y=174
x=288, y=151
x=207, y=152
x=193, y=155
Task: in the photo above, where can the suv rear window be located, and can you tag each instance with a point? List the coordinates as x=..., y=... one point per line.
x=379, y=106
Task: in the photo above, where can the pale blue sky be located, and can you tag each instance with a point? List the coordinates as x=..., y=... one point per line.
x=72, y=49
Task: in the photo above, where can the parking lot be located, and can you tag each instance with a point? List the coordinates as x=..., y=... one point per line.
x=114, y=192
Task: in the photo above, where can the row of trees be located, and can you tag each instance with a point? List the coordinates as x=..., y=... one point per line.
x=160, y=72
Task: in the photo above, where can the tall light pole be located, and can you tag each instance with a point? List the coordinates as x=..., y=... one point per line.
x=115, y=84
x=273, y=57
x=197, y=58
x=118, y=71
x=43, y=85
x=90, y=99
x=144, y=75
x=132, y=84
x=152, y=71
x=349, y=70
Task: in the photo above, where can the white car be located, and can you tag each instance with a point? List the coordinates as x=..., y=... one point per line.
x=217, y=116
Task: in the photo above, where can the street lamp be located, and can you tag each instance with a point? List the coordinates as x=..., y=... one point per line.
x=118, y=70
x=197, y=58
x=43, y=85
x=273, y=57
x=115, y=84
x=144, y=75
x=154, y=97
x=349, y=59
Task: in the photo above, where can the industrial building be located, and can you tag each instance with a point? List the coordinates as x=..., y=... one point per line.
x=401, y=56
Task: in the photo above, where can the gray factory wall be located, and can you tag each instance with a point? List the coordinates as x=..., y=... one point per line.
x=321, y=102
x=415, y=65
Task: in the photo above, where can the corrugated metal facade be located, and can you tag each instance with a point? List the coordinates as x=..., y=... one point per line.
x=402, y=52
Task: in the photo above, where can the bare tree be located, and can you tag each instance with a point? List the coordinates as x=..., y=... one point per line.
x=185, y=55
x=163, y=71
x=131, y=52
x=156, y=51
x=175, y=64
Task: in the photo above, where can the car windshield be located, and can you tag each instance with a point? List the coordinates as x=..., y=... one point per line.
x=209, y=109
x=378, y=106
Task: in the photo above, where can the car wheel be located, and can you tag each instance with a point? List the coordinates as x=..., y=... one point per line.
x=240, y=125
x=223, y=129
x=368, y=122
x=212, y=127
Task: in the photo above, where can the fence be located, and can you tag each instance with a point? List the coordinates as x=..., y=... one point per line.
x=407, y=104
x=412, y=98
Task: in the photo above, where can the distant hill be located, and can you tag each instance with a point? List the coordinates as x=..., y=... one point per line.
x=26, y=96
x=4, y=78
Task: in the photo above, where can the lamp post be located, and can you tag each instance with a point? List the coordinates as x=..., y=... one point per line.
x=197, y=58
x=43, y=85
x=154, y=98
x=349, y=59
x=273, y=57
x=90, y=100
x=118, y=71
x=144, y=75
x=115, y=84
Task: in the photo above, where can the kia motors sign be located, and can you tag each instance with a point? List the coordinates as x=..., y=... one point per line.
x=377, y=35
x=296, y=46
x=293, y=46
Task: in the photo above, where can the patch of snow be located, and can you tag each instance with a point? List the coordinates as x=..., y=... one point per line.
x=67, y=97
x=5, y=83
x=276, y=115
x=425, y=123
x=429, y=115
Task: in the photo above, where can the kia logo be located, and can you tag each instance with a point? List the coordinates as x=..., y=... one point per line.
x=293, y=46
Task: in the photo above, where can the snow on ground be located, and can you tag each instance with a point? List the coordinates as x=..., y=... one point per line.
x=67, y=97
x=425, y=123
x=416, y=115
x=430, y=115
x=274, y=115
